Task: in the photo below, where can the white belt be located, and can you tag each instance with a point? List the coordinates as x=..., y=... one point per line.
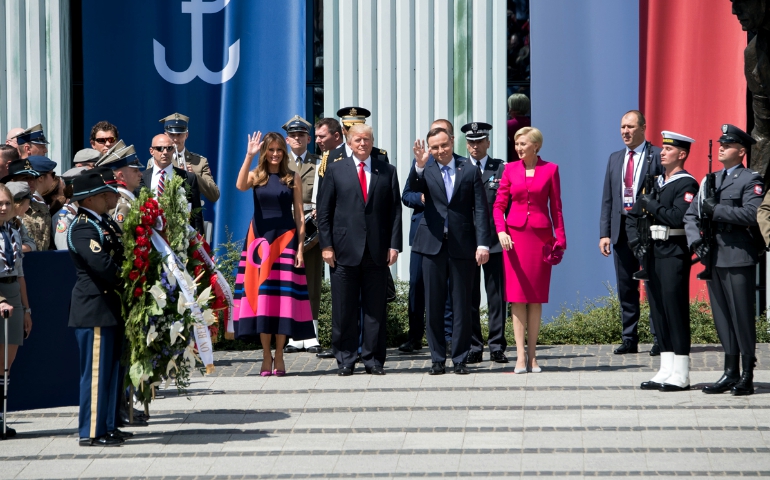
x=673, y=232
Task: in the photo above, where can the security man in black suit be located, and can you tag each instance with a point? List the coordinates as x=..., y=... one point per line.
x=667, y=259
x=491, y=169
x=95, y=311
x=733, y=253
x=626, y=170
x=160, y=172
x=359, y=226
x=453, y=237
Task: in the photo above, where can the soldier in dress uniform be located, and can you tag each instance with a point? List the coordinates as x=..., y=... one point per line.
x=732, y=255
x=38, y=218
x=668, y=261
x=86, y=157
x=128, y=172
x=64, y=217
x=32, y=142
x=328, y=136
x=306, y=163
x=97, y=255
x=477, y=136
x=175, y=126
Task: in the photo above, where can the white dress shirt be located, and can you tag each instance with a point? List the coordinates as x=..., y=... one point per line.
x=638, y=161
x=483, y=162
x=156, y=175
x=367, y=170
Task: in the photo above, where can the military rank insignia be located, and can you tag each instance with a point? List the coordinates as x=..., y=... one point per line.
x=95, y=247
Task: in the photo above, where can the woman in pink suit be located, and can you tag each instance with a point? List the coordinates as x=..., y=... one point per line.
x=532, y=237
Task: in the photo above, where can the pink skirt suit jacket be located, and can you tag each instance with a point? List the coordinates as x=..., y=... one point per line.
x=535, y=218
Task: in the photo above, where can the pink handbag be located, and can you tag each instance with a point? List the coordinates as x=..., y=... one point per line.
x=552, y=254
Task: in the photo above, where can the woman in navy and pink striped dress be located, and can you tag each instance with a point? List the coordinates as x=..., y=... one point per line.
x=271, y=289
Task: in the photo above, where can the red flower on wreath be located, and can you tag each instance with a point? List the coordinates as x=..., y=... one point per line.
x=138, y=292
x=139, y=263
x=140, y=231
x=133, y=275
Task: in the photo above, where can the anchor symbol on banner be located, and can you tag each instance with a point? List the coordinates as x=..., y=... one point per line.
x=196, y=9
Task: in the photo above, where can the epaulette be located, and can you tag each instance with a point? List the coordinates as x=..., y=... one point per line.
x=383, y=152
x=339, y=158
x=322, y=165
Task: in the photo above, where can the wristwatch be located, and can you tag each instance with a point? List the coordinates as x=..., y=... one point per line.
x=27, y=310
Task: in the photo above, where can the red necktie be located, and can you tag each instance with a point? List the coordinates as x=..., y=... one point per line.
x=162, y=182
x=362, y=179
x=628, y=180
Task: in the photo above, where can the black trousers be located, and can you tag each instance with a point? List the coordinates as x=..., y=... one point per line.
x=493, y=280
x=416, y=299
x=731, y=291
x=355, y=286
x=669, y=289
x=437, y=269
x=626, y=264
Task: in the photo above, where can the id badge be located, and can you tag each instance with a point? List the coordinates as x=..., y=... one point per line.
x=628, y=198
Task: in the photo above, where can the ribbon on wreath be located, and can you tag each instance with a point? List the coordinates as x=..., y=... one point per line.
x=220, y=286
x=187, y=288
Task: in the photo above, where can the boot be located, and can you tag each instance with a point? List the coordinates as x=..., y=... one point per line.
x=680, y=377
x=729, y=378
x=666, y=367
x=745, y=385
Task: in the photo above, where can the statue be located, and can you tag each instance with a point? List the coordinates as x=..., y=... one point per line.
x=754, y=16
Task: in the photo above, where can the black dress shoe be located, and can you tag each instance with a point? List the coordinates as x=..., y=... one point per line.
x=406, y=347
x=650, y=385
x=314, y=349
x=437, y=368
x=120, y=434
x=291, y=349
x=116, y=436
x=328, y=353
x=667, y=387
x=627, y=347
x=345, y=372
x=473, y=357
x=745, y=385
x=105, y=441
x=655, y=350
x=730, y=377
x=9, y=432
x=375, y=370
x=461, y=369
x=498, y=357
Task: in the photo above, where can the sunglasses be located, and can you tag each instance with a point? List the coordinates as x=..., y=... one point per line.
x=164, y=149
x=102, y=141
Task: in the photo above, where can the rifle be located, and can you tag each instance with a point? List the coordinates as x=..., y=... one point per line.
x=643, y=223
x=707, y=231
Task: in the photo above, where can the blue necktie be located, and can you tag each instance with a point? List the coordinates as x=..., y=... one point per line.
x=448, y=188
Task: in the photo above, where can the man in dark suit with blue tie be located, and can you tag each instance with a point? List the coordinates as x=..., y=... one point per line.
x=623, y=183
x=359, y=229
x=453, y=238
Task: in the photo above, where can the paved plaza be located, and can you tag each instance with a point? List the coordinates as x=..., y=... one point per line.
x=583, y=417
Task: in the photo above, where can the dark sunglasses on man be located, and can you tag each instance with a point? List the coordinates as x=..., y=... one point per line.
x=102, y=141
x=164, y=148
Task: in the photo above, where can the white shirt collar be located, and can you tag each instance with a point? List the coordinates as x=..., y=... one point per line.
x=451, y=165
x=483, y=161
x=156, y=170
x=367, y=162
x=300, y=158
x=637, y=151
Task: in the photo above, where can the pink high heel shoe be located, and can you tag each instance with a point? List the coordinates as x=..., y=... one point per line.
x=266, y=373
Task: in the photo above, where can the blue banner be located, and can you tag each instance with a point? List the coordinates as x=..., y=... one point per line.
x=232, y=66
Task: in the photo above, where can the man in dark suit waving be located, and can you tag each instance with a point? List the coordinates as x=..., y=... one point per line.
x=623, y=184
x=359, y=229
x=453, y=237
x=161, y=170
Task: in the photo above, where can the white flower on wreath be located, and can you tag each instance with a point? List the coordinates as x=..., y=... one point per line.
x=176, y=331
x=159, y=295
x=152, y=334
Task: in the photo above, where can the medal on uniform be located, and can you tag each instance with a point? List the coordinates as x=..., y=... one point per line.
x=628, y=198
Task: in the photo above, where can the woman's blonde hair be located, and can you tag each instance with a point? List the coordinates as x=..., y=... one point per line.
x=534, y=135
x=260, y=173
